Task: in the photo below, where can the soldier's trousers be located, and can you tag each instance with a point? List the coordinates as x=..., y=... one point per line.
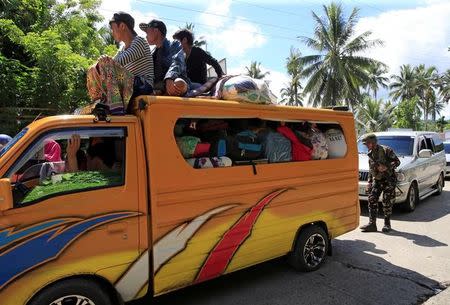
x=387, y=187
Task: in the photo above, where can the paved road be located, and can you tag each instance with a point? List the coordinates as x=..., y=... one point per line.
x=407, y=266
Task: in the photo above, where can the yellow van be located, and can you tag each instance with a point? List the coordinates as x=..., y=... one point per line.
x=104, y=211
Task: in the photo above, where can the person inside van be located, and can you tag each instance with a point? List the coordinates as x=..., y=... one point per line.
x=169, y=60
x=196, y=59
x=116, y=80
x=99, y=155
x=4, y=139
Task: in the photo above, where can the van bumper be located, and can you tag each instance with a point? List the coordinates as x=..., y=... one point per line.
x=401, y=192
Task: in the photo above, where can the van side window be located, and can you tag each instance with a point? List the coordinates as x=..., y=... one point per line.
x=210, y=142
x=68, y=161
x=422, y=144
x=438, y=144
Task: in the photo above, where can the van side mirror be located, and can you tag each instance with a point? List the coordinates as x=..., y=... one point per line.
x=425, y=153
x=6, y=197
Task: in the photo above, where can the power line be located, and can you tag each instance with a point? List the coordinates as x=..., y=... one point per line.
x=267, y=8
x=217, y=27
x=220, y=15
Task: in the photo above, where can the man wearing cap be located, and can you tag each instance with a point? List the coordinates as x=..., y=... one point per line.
x=169, y=60
x=382, y=179
x=129, y=73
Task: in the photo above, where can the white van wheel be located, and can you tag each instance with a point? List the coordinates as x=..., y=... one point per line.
x=412, y=198
x=310, y=249
x=72, y=292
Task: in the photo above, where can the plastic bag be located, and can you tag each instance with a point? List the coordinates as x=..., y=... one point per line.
x=248, y=90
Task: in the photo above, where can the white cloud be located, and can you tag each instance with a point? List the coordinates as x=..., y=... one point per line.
x=234, y=35
x=413, y=36
x=216, y=7
x=237, y=39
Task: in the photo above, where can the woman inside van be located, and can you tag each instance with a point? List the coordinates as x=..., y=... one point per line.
x=99, y=155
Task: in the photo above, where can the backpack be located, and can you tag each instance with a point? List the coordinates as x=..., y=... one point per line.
x=277, y=148
x=245, y=146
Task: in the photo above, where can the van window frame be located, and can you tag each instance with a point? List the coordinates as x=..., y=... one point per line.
x=75, y=129
x=254, y=163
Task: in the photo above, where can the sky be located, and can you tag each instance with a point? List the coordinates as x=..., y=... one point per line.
x=413, y=31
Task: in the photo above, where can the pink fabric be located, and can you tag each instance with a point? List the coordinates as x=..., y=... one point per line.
x=52, y=151
x=300, y=152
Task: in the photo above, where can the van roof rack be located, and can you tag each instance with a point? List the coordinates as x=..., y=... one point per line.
x=337, y=108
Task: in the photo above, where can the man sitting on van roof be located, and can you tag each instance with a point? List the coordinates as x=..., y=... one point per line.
x=169, y=60
x=196, y=59
x=129, y=73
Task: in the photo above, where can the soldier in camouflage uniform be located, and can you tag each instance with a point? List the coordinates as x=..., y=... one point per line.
x=382, y=179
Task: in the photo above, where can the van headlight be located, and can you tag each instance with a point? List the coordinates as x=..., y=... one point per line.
x=401, y=177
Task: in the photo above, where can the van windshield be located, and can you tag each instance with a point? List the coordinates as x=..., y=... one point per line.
x=13, y=141
x=402, y=145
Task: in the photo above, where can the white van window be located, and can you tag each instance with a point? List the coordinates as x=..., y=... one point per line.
x=213, y=142
x=68, y=161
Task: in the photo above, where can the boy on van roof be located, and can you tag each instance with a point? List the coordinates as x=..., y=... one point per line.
x=168, y=57
x=196, y=58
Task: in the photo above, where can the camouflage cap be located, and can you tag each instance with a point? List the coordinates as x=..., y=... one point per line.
x=371, y=137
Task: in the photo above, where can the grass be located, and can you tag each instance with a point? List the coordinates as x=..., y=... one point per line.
x=73, y=182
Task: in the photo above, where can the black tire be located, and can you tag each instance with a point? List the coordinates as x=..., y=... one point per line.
x=440, y=185
x=310, y=249
x=412, y=198
x=72, y=290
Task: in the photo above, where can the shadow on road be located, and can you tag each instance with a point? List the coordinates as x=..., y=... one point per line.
x=354, y=275
x=420, y=240
x=428, y=209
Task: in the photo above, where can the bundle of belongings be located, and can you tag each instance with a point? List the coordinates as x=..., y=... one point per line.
x=238, y=88
x=207, y=143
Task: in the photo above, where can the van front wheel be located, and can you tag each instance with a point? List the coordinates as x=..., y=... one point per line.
x=310, y=249
x=72, y=292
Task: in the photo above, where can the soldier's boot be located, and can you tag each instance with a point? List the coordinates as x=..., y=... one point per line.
x=372, y=225
x=387, y=224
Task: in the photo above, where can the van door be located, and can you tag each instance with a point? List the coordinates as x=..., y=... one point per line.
x=70, y=219
x=423, y=170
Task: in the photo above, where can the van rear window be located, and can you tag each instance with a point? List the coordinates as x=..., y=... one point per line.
x=212, y=142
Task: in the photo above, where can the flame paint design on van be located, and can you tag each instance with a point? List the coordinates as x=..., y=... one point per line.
x=44, y=242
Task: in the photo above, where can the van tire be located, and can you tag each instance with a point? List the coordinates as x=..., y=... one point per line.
x=311, y=241
x=91, y=291
x=440, y=185
x=412, y=198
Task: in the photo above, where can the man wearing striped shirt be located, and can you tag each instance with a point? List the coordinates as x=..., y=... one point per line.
x=129, y=73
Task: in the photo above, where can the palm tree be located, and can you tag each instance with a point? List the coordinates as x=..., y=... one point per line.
x=441, y=123
x=291, y=94
x=374, y=115
x=254, y=70
x=443, y=85
x=377, y=78
x=403, y=86
x=197, y=43
x=336, y=74
x=424, y=88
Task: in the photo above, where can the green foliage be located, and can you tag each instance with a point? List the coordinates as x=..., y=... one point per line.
x=408, y=114
x=292, y=95
x=424, y=84
x=254, y=70
x=374, y=115
x=46, y=47
x=336, y=74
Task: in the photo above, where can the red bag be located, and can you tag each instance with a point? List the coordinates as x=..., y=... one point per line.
x=300, y=152
x=202, y=150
